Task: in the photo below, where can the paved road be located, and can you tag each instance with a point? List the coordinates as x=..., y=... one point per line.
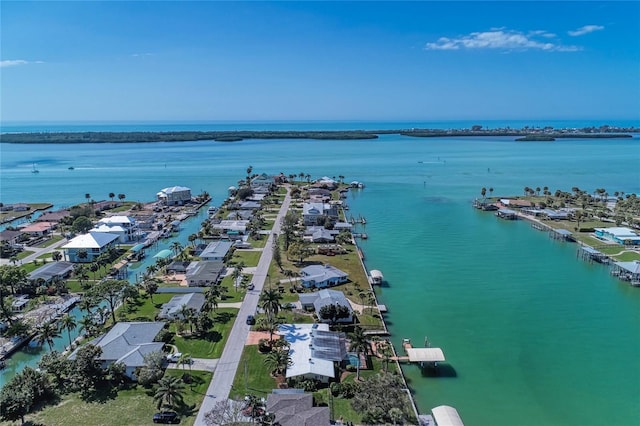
x=37, y=251
x=222, y=380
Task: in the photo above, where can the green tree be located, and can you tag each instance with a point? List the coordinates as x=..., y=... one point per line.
x=111, y=195
x=81, y=225
x=121, y=197
x=68, y=323
x=277, y=255
x=153, y=368
x=46, y=333
x=86, y=370
x=149, y=285
x=237, y=274
x=277, y=361
x=169, y=393
x=333, y=313
x=110, y=292
x=359, y=343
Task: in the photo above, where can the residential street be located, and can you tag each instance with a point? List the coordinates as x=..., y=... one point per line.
x=222, y=380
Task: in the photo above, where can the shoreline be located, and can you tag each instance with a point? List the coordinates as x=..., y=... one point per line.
x=526, y=134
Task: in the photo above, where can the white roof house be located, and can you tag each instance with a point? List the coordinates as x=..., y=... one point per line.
x=124, y=221
x=618, y=234
x=92, y=243
x=322, y=276
x=313, y=350
x=325, y=297
x=174, y=195
x=172, y=309
x=115, y=230
x=445, y=415
x=216, y=250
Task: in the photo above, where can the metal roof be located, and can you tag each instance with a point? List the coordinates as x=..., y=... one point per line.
x=163, y=254
x=425, y=354
x=445, y=415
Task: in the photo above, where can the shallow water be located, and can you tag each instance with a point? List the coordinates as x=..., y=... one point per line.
x=532, y=334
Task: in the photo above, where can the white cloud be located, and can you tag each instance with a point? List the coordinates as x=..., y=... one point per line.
x=16, y=62
x=585, y=30
x=499, y=38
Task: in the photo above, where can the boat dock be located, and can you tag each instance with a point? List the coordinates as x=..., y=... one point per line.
x=425, y=357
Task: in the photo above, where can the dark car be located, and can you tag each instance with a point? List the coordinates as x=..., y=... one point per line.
x=167, y=417
x=251, y=320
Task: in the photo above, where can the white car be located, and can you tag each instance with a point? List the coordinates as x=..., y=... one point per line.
x=174, y=357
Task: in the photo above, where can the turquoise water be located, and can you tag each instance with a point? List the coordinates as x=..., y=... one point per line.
x=532, y=335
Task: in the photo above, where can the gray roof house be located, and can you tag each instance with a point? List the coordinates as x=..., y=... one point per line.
x=128, y=343
x=312, y=212
x=216, y=250
x=296, y=409
x=51, y=272
x=318, y=299
x=171, y=309
x=322, y=276
x=320, y=234
x=204, y=273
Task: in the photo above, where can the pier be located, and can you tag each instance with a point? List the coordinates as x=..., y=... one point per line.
x=425, y=357
x=590, y=254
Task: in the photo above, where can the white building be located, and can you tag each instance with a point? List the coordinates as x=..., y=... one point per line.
x=175, y=195
x=124, y=226
x=92, y=243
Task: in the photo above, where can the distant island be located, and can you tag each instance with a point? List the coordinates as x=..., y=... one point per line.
x=525, y=134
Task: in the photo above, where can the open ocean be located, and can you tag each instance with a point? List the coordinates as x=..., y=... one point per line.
x=532, y=335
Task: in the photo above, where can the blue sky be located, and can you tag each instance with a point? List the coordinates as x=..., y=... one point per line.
x=93, y=61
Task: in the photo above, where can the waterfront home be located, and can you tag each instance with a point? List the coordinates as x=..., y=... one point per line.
x=262, y=183
x=515, y=203
x=627, y=271
x=173, y=308
x=216, y=250
x=619, y=235
x=317, y=300
x=319, y=234
x=203, y=273
x=51, y=272
x=240, y=215
x=174, y=195
x=322, y=276
x=232, y=226
x=294, y=407
x=11, y=237
x=339, y=226
x=92, y=244
x=178, y=266
x=126, y=227
x=314, y=350
x=56, y=216
x=326, y=182
x=507, y=214
x=312, y=213
x=127, y=343
x=39, y=229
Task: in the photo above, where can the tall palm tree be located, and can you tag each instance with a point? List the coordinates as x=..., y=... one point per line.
x=46, y=333
x=169, y=393
x=211, y=296
x=149, y=285
x=188, y=315
x=112, y=195
x=270, y=302
x=176, y=247
x=87, y=324
x=81, y=273
x=68, y=323
x=237, y=273
x=359, y=344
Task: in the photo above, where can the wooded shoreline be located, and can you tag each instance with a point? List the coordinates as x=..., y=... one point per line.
x=235, y=136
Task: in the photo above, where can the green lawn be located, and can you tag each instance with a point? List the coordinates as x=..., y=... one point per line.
x=250, y=258
x=54, y=239
x=129, y=407
x=627, y=257
x=231, y=295
x=144, y=309
x=252, y=376
x=211, y=345
x=24, y=254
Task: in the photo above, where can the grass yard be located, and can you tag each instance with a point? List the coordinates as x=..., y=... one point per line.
x=24, y=254
x=144, y=309
x=211, y=345
x=54, y=239
x=252, y=377
x=627, y=257
x=231, y=295
x=129, y=407
x=250, y=258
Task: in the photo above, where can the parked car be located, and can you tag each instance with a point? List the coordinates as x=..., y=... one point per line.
x=251, y=286
x=174, y=357
x=166, y=417
x=251, y=320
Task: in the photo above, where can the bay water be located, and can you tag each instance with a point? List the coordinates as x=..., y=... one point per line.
x=532, y=335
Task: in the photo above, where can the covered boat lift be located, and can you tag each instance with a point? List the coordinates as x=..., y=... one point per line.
x=445, y=415
x=163, y=254
x=376, y=276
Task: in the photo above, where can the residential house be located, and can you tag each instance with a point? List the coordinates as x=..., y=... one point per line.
x=203, y=273
x=128, y=343
x=56, y=216
x=620, y=235
x=230, y=227
x=51, y=272
x=314, y=350
x=293, y=407
x=21, y=207
x=319, y=234
x=39, y=229
x=175, y=195
x=326, y=182
x=173, y=309
x=178, y=266
x=312, y=213
x=317, y=300
x=124, y=226
x=11, y=237
x=322, y=276
x=262, y=183
x=216, y=250
x=240, y=215
x=92, y=243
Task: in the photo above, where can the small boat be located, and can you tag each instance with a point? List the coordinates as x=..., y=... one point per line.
x=34, y=170
x=71, y=168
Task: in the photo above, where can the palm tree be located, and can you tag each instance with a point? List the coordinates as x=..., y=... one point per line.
x=278, y=360
x=169, y=393
x=68, y=323
x=149, y=285
x=112, y=195
x=46, y=333
x=80, y=272
x=176, y=247
x=121, y=197
x=359, y=344
x=88, y=197
x=483, y=192
x=87, y=324
x=270, y=300
x=237, y=274
x=184, y=360
x=188, y=315
x=56, y=256
x=211, y=296
x=490, y=191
